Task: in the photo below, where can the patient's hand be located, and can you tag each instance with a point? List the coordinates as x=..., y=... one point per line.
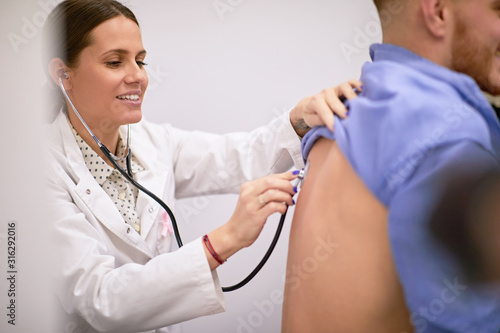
x=318, y=109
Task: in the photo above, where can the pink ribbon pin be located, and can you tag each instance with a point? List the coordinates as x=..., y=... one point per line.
x=167, y=225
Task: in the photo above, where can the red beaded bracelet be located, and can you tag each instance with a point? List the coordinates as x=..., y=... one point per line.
x=210, y=249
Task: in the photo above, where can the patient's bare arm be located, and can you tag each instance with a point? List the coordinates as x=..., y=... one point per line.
x=340, y=272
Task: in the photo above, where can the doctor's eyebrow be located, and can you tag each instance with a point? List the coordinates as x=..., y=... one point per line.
x=123, y=51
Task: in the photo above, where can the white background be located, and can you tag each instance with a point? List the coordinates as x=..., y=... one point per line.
x=218, y=66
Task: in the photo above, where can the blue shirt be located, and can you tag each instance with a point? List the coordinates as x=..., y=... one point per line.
x=413, y=124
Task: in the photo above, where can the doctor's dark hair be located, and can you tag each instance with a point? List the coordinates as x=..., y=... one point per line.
x=68, y=29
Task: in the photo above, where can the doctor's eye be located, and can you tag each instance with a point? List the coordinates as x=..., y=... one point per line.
x=113, y=63
x=141, y=63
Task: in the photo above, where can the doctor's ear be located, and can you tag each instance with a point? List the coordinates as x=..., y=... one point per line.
x=57, y=69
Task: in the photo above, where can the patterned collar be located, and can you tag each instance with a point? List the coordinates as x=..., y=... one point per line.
x=96, y=164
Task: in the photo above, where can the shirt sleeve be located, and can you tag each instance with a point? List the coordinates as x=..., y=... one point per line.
x=438, y=296
x=314, y=135
x=207, y=163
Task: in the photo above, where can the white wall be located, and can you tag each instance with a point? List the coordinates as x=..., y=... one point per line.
x=219, y=66
x=21, y=173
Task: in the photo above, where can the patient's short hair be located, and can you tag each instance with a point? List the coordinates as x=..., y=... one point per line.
x=380, y=4
x=383, y=4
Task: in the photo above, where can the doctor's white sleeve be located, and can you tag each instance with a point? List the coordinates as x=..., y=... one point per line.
x=207, y=163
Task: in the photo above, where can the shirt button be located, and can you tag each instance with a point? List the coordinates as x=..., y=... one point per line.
x=151, y=209
x=121, y=196
x=88, y=191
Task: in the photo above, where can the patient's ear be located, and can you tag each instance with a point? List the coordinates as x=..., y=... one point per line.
x=436, y=16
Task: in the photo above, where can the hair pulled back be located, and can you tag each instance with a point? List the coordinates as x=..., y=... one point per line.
x=68, y=28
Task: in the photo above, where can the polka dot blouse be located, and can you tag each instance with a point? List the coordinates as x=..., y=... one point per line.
x=123, y=194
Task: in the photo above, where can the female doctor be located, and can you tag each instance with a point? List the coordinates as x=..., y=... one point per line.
x=118, y=267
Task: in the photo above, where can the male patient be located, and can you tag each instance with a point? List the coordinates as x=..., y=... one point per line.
x=361, y=257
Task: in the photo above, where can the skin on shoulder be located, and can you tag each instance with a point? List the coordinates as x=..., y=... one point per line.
x=340, y=273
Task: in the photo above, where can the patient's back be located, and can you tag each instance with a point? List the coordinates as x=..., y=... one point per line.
x=340, y=272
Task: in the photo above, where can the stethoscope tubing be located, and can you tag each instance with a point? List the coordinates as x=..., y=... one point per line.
x=129, y=176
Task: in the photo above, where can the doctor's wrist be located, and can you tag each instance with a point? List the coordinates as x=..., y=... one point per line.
x=209, y=247
x=297, y=120
x=219, y=246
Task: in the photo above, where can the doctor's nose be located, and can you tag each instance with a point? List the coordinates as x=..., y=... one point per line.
x=136, y=74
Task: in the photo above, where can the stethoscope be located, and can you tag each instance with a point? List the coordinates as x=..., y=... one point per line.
x=129, y=176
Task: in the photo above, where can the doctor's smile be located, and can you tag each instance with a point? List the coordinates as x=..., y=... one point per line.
x=132, y=98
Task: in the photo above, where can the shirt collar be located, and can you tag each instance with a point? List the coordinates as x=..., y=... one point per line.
x=99, y=169
x=96, y=165
x=464, y=84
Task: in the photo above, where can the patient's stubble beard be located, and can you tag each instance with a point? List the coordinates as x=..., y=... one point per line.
x=472, y=57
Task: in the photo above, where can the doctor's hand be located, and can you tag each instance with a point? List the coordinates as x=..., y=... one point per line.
x=318, y=109
x=257, y=201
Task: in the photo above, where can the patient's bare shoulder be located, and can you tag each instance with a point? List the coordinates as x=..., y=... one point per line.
x=340, y=273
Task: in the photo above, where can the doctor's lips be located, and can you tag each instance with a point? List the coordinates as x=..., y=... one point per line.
x=133, y=96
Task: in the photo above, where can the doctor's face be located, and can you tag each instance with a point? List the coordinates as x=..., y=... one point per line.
x=476, y=43
x=109, y=81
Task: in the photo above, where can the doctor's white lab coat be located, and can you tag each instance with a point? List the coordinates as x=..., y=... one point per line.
x=110, y=278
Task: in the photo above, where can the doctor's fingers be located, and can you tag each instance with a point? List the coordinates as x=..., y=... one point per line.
x=318, y=111
x=355, y=84
x=348, y=90
x=277, y=196
x=281, y=182
x=336, y=96
x=321, y=107
x=273, y=207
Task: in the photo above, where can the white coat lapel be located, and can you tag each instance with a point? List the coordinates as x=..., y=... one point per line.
x=154, y=178
x=91, y=193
